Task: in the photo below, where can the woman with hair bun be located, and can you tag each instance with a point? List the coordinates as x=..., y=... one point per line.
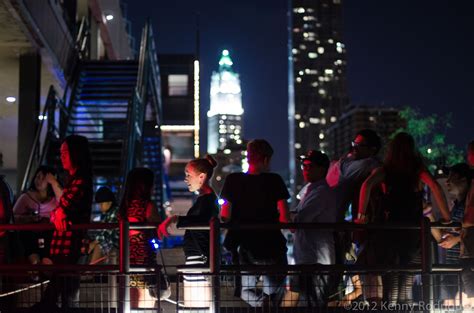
x=198, y=173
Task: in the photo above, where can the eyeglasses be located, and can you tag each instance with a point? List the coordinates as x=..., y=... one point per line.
x=359, y=145
x=307, y=166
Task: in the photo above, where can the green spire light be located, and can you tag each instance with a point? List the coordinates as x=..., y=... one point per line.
x=225, y=61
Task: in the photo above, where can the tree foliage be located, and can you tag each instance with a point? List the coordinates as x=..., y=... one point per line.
x=429, y=133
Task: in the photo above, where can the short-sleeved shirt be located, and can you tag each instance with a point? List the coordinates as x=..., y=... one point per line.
x=108, y=238
x=254, y=199
x=346, y=177
x=28, y=206
x=318, y=205
x=196, y=242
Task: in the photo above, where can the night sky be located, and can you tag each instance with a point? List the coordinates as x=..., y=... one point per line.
x=399, y=53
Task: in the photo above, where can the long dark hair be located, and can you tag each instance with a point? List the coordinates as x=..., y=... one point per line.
x=137, y=187
x=44, y=170
x=403, y=162
x=79, y=155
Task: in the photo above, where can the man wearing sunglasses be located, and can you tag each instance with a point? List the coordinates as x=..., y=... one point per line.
x=347, y=175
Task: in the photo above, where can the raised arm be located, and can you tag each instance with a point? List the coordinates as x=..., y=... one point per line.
x=377, y=176
x=57, y=189
x=438, y=194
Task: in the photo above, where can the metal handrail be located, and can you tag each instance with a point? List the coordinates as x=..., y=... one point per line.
x=82, y=39
x=426, y=268
x=53, y=102
x=36, y=146
x=136, y=108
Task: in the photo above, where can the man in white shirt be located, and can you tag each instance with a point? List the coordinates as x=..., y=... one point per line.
x=314, y=246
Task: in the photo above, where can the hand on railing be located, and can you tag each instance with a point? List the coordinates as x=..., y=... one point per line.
x=449, y=240
x=361, y=219
x=162, y=230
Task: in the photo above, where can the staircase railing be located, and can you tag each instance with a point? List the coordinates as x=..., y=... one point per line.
x=148, y=81
x=83, y=39
x=56, y=105
x=40, y=145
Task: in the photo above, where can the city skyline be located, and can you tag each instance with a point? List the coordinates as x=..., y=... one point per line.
x=420, y=62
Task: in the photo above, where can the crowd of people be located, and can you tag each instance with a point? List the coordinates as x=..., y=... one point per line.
x=358, y=188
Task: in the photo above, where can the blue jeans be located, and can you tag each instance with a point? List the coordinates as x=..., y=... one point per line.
x=272, y=286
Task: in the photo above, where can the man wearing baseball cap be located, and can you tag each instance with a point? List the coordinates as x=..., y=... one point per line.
x=313, y=246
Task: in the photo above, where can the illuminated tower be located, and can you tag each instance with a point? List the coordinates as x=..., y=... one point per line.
x=225, y=115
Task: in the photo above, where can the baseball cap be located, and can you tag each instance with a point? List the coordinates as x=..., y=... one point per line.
x=104, y=194
x=316, y=157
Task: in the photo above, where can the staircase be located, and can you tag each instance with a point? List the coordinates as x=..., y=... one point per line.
x=108, y=103
x=99, y=111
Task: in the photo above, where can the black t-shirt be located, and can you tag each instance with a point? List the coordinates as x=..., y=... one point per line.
x=254, y=199
x=196, y=242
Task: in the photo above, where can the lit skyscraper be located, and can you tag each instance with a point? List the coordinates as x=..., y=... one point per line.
x=317, y=87
x=225, y=115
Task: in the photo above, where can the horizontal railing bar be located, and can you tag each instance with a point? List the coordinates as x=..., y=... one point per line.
x=41, y=227
x=22, y=268
x=323, y=226
x=315, y=226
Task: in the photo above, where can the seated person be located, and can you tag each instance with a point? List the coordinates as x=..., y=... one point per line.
x=35, y=206
x=105, y=243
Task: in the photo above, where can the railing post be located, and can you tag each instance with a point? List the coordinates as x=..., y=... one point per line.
x=51, y=112
x=124, y=266
x=426, y=265
x=215, y=264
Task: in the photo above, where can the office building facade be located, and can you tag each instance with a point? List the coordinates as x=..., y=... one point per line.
x=317, y=82
x=384, y=120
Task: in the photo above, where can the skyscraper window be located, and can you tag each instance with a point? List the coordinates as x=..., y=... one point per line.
x=177, y=85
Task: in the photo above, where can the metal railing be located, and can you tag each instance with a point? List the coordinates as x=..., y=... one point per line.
x=82, y=43
x=55, y=104
x=216, y=270
x=123, y=268
x=147, y=82
x=42, y=137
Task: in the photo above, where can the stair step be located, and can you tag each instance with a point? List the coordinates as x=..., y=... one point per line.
x=102, y=63
x=102, y=86
x=121, y=117
x=102, y=105
x=107, y=84
x=123, y=98
x=109, y=72
x=85, y=124
x=102, y=92
x=108, y=79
